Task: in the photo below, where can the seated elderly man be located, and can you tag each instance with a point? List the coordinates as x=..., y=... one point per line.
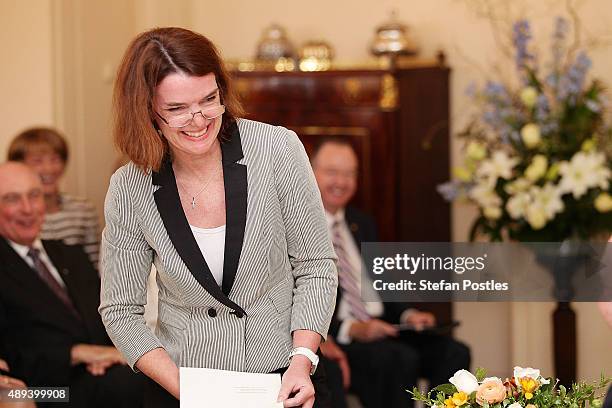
x=50, y=330
x=383, y=361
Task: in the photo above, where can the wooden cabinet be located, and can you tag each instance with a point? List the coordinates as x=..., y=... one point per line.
x=398, y=121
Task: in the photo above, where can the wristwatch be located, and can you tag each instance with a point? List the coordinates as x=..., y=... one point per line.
x=306, y=352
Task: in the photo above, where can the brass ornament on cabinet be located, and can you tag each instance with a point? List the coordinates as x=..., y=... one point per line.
x=316, y=56
x=274, y=44
x=392, y=39
x=243, y=87
x=388, y=93
x=351, y=90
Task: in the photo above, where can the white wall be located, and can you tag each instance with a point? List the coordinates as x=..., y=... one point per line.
x=26, y=74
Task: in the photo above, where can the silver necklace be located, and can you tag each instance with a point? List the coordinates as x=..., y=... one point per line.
x=194, y=196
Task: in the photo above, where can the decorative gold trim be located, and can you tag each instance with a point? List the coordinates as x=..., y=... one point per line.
x=388, y=93
x=331, y=131
x=380, y=64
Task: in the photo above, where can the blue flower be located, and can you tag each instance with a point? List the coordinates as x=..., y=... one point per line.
x=558, y=46
x=542, y=108
x=561, y=29
x=520, y=38
x=449, y=190
x=572, y=82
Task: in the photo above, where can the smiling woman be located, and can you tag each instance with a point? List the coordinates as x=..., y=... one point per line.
x=202, y=198
x=70, y=219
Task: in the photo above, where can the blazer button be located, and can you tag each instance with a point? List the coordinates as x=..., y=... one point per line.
x=212, y=312
x=238, y=313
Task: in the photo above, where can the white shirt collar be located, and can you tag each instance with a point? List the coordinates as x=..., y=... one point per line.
x=333, y=218
x=22, y=250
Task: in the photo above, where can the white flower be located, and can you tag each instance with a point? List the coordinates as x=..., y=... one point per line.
x=515, y=405
x=518, y=204
x=529, y=96
x=549, y=199
x=584, y=171
x=519, y=185
x=520, y=372
x=500, y=165
x=464, y=381
x=496, y=379
x=537, y=168
x=484, y=196
x=530, y=133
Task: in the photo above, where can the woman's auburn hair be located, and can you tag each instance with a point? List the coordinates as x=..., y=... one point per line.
x=151, y=57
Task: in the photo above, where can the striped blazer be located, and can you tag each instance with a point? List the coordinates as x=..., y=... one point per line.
x=279, y=270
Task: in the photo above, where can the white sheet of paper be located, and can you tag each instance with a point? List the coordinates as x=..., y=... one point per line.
x=205, y=387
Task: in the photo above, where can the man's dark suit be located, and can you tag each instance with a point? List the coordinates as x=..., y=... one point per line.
x=381, y=371
x=37, y=331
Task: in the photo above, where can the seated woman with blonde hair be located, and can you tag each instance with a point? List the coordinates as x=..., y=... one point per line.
x=70, y=219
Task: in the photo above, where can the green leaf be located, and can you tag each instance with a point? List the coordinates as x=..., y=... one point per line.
x=447, y=389
x=481, y=373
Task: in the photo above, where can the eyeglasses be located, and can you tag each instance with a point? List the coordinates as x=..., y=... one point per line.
x=184, y=119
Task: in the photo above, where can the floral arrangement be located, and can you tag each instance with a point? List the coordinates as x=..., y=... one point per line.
x=526, y=389
x=538, y=155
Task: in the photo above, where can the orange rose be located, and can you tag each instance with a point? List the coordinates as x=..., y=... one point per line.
x=492, y=390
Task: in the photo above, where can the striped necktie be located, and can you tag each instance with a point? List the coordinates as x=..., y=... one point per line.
x=45, y=275
x=347, y=276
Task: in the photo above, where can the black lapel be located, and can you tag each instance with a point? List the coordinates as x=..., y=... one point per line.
x=35, y=288
x=235, y=180
x=176, y=224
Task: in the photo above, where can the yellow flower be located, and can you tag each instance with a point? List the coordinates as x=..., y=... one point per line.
x=492, y=212
x=449, y=402
x=537, y=168
x=459, y=398
x=553, y=172
x=528, y=385
x=462, y=173
x=588, y=145
x=603, y=203
x=531, y=135
x=536, y=217
x=476, y=151
x=529, y=96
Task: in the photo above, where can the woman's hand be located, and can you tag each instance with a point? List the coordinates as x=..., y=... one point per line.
x=296, y=382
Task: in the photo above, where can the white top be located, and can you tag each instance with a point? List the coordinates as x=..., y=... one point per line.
x=212, y=245
x=22, y=251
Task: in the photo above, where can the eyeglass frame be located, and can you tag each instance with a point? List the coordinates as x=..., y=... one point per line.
x=192, y=116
